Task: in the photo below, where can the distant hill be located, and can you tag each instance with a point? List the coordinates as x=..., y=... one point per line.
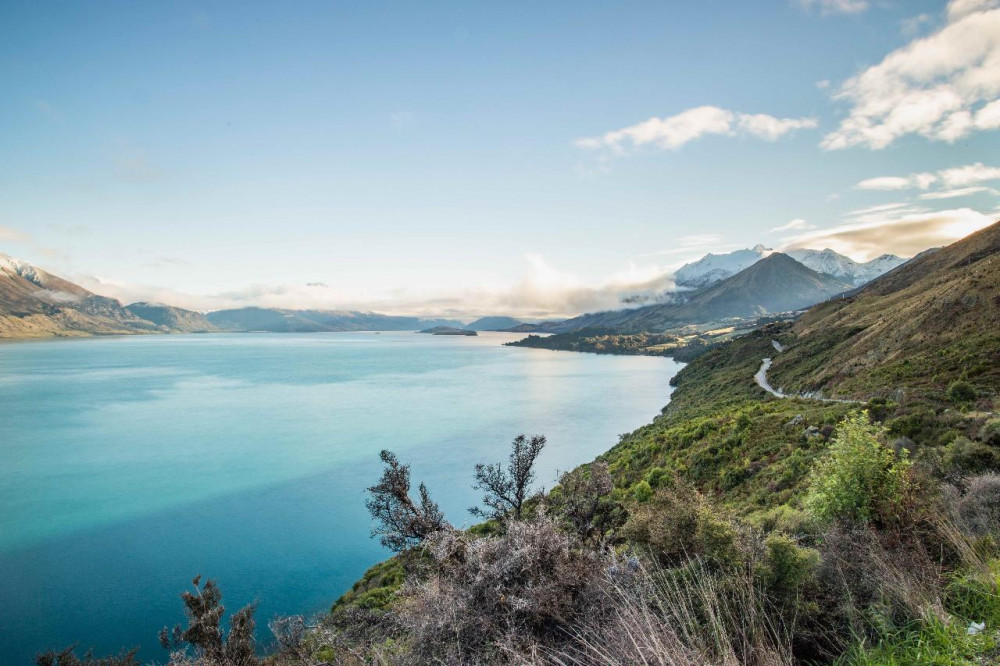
x=171, y=318
x=35, y=303
x=493, y=324
x=835, y=264
x=316, y=321
x=934, y=318
x=777, y=283
x=448, y=330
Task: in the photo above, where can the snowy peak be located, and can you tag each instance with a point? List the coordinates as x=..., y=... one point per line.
x=835, y=264
x=714, y=268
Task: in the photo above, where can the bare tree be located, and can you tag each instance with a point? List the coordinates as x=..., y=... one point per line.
x=504, y=490
x=204, y=632
x=400, y=521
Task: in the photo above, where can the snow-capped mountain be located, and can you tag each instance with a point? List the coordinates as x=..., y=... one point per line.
x=714, y=268
x=830, y=262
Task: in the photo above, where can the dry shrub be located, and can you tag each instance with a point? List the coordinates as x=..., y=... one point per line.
x=979, y=507
x=686, y=615
x=516, y=588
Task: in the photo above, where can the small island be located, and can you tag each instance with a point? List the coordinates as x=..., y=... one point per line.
x=447, y=330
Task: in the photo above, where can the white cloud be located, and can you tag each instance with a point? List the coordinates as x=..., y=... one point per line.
x=955, y=180
x=969, y=174
x=885, y=183
x=794, y=225
x=828, y=7
x=943, y=87
x=672, y=132
x=899, y=232
x=952, y=194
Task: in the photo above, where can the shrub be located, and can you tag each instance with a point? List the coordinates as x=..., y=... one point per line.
x=524, y=583
x=979, y=507
x=787, y=567
x=859, y=478
x=583, y=500
x=965, y=455
x=642, y=492
x=961, y=391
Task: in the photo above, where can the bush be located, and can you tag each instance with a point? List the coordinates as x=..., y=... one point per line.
x=961, y=391
x=523, y=584
x=979, y=507
x=642, y=492
x=859, y=478
x=787, y=567
x=964, y=455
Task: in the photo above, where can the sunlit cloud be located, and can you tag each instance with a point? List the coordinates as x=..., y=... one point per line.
x=943, y=87
x=953, y=194
x=794, y=225
x=9, y=235
x=903, y=234
x=672, y=132
x=889, y=183
x=543, y=291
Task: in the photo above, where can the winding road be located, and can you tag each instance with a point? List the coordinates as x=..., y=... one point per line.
x=761, y=379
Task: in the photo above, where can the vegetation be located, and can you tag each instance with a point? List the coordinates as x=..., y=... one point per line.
x=736, y=528
x=399, y=521
x=505, y=490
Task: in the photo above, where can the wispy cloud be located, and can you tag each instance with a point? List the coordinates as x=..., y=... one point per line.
x=829, y=7
x=943, y=86
x=959, y=192
x=955, y=180
x=9, y=235
x=888, y=183
x=903, y=233
x=543, y=291
x=672, y=132
x=794, y=225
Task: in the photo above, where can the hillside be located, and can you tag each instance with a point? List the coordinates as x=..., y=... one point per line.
x=777, y=283
x=493, y=324
x=928, y=320
x=871, y=535
x=35, y=303
x=172, y=318
x=315, y=321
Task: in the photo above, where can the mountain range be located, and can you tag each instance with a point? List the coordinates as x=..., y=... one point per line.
x=741, y=284
x=714, y=268
x=776, y=283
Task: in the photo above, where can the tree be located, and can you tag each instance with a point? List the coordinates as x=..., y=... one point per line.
x=204, y=610
x=401, y=522
x=504, y=490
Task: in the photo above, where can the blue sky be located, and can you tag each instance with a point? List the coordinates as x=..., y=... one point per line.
x=481, y=158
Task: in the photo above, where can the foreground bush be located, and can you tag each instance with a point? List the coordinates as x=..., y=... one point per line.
x=859, y=478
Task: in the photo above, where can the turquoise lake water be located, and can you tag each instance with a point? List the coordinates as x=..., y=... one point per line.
x=129, y=465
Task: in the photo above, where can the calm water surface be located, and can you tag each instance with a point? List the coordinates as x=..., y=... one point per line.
x=129, y=465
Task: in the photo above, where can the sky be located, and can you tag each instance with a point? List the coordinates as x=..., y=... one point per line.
x=481, y=158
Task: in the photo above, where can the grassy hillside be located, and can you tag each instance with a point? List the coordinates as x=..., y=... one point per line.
x=916, y=329
x=729, y=475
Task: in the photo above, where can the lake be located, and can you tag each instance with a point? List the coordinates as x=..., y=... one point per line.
x=129, y=465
